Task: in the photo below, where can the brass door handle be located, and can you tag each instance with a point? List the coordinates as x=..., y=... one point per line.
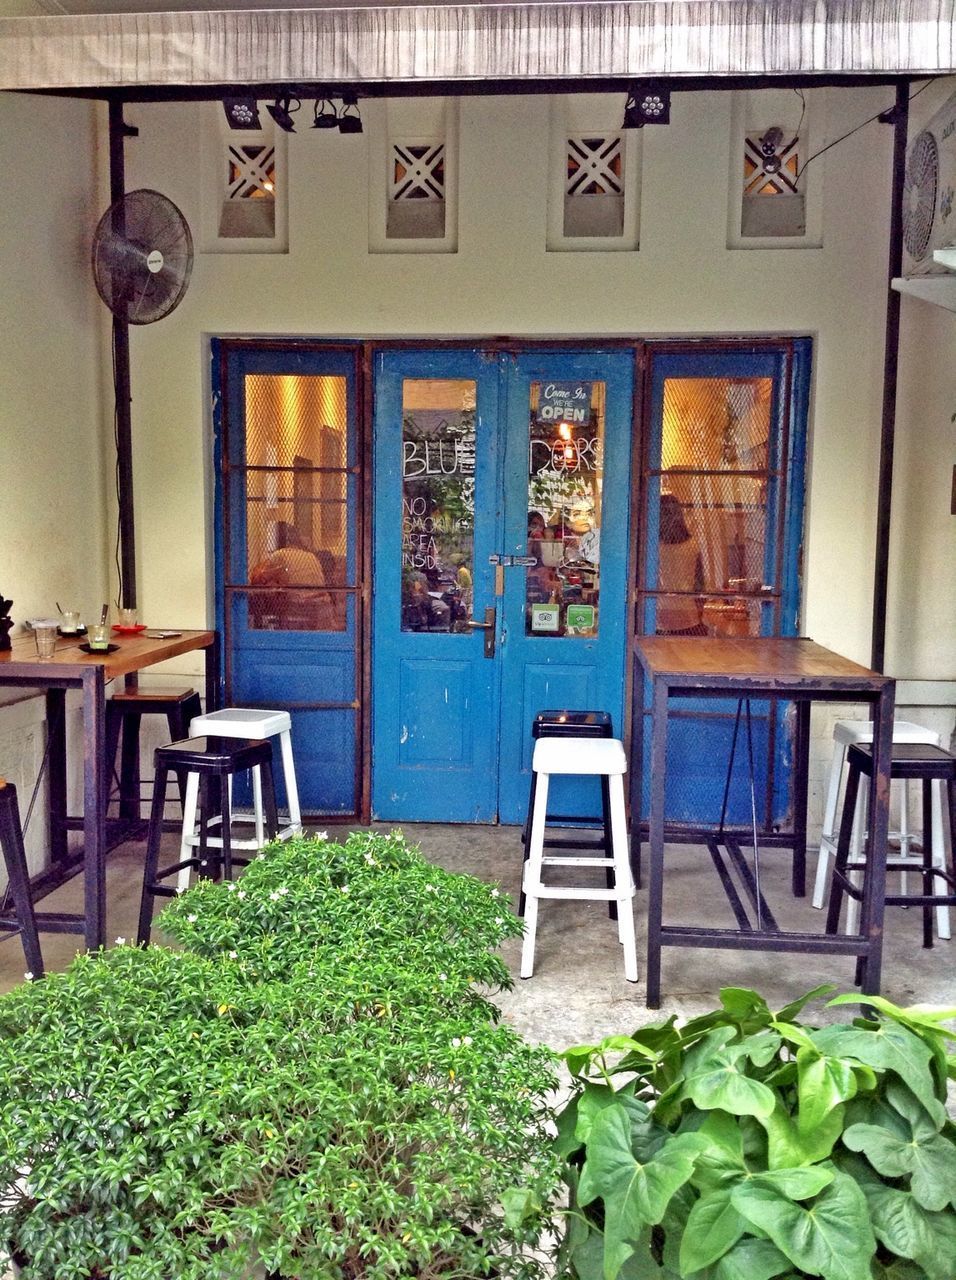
x=488, y=627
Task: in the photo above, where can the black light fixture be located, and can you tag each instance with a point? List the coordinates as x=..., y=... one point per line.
x=281, y=111
x=769, y=149
x=349, y=119
x=241, y=113
x=647, y=103
x=324, y=114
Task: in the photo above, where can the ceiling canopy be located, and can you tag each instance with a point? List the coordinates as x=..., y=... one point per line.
x=407, y=46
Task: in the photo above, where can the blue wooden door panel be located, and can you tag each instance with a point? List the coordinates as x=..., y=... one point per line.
x=434, y=718
x=287, y=669
x=576, y=672
x=699, y=737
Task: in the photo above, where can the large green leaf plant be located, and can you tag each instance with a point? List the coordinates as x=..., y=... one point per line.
x=746, y=1145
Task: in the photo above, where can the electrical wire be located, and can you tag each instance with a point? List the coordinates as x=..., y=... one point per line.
x=860, y=126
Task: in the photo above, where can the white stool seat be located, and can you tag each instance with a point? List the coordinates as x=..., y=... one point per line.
x=846, y=733
x=255, y=722
x=591, y=757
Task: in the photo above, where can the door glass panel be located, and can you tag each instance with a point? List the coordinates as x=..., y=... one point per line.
x=565, y=481
x=438, y=503
x=714, y=488
x=297, y=482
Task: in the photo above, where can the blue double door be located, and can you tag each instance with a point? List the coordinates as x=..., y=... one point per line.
x=500, y=561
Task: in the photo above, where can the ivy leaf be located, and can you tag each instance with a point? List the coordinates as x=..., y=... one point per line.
x=831, y=1237
x=715, y=1079
x=635, y=1194
x=723, y=1158
x=822, y=1084
x=752, y=1260
x=790, y=1011
x=928, y=1158
x=796, y=1184
x=713, y=1225
x=907, y=1229
x=888, y=1046
x=788, y=1147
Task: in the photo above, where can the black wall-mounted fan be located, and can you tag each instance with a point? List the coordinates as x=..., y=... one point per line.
x=142, y=256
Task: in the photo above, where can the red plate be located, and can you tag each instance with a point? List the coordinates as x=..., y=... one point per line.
x=131, y=631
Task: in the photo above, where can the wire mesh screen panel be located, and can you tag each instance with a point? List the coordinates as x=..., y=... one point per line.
x=292, y=557
x=297, y=500
x=711, y=561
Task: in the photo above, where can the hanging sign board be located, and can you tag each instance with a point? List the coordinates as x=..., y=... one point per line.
x=565, y=402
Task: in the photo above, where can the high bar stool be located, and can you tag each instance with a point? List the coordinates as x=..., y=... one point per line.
x=18, y=879
x=921, y=762
x=600, y=757
x=252, y=722
x=210, y=764
x=845, y=734
x=124, y=715
x=572, y=724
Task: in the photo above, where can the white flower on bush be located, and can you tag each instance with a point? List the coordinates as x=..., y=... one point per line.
x=241, y=894
x=370, y=860
x=233, y=955
x=28, y=977
x=321, y=835
x=121, y=942
x=459, y=1041
x=343, y=888
x=192, y=919
x=496, y=893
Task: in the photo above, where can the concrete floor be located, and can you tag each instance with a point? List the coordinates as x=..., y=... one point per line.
x=578, y=992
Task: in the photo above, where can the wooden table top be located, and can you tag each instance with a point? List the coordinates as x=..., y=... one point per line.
x=133, y=653
x=713, y=660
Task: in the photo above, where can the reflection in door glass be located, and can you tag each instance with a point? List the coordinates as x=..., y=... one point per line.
x=715, y=487
x=565, y=479
x=438, y=503
x=296, y=502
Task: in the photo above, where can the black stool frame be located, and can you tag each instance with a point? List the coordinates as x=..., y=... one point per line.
x=124, y=715
x=215, y=760
x=18, y=878
x=919, y=762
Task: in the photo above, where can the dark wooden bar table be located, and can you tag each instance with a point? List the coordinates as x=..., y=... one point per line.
x=790, y=669
x=71, y=668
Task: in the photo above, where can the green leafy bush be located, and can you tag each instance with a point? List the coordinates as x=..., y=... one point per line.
x=316, y=1108
x=373, y=906
x=745, y=1145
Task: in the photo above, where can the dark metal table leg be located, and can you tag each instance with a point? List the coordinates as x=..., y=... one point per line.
x=94, y=806
x=56, y=728
x=874, y=878
x=655, y=898
x=801, y=773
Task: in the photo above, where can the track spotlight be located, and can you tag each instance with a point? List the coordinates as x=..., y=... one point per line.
x=241, y=113
x=324, y=115
x=770, y=149
x=349, y=119
x=647, y=103
x=281, y=111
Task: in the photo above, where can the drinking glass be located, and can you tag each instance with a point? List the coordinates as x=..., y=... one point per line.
x=44, y=633
x=70, y=622
x=99, y=637
x=127, y=617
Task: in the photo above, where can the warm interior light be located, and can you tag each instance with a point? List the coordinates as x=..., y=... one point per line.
x=564, y=430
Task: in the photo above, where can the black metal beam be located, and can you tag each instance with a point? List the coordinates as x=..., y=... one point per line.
x=491, y=86
x=899, y=117
x=121, y=382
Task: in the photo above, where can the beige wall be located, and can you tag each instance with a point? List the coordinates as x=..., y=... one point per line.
x=683, y=280
x=53, y=459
